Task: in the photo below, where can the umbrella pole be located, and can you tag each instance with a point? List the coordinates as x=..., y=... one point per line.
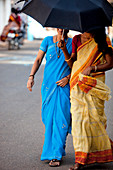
x=62, y=34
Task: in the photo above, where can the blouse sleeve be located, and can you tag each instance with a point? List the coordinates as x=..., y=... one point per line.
x=44, y=45
x=74, y=44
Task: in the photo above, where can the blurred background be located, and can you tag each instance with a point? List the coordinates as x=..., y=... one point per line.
x=33, y=29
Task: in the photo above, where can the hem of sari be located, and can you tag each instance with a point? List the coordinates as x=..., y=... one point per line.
x=50, y=158
x=93, y=162
x=94, y=157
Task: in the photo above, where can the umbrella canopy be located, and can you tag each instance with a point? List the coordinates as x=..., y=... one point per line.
x=79, y=15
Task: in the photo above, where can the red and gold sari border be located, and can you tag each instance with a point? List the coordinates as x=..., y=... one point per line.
x=73, y=83
x=94, y=157
x=97, y=74
x=84, y=44
x=87, y=83
x=97, y=58
x=86, y=64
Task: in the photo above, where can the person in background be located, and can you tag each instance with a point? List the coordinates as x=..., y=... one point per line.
x=24, y=24
x=55, y=96
x=91, y=57
x=13, y=22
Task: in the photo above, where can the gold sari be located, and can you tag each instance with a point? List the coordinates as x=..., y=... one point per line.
x=88, y=93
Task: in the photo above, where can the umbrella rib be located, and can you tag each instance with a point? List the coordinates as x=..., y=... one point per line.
x=51, y=12
x=110, y=7
x=80, y=21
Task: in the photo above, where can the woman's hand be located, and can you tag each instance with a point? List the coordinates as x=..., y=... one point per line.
x=87, y=71
x=62, y=82
x=62, y=45
x=30, y=84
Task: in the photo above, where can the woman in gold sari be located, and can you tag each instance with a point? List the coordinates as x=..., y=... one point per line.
x=91, y=57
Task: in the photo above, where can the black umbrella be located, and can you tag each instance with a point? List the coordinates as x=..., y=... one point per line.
x=79, y=15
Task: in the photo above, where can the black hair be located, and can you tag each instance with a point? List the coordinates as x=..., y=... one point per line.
x=13, y=10
x=99, y=36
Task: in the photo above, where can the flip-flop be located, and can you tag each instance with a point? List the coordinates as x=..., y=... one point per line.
x=54, y=163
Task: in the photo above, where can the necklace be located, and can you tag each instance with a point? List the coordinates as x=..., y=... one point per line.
x=58, y=51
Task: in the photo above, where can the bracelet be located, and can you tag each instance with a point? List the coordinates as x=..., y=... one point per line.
x=67, y=78
x=95, y=68
x=31, y=76
x=68, y=59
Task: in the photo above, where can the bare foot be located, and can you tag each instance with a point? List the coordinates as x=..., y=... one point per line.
x=77, y=166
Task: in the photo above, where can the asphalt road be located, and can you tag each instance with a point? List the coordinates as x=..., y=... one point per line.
x=21, y=128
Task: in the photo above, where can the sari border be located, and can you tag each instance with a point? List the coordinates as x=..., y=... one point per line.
x=84, y=44
x=74, y=78
x=94, y=157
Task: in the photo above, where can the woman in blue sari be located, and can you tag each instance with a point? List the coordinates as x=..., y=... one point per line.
x=55, y=96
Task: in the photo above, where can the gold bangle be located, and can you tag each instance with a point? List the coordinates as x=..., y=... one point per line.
x=68, y=59
x=95, y=68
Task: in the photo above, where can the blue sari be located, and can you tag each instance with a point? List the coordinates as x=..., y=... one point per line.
x=55, y=101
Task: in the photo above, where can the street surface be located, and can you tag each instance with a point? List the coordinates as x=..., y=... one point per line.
x=21, y=128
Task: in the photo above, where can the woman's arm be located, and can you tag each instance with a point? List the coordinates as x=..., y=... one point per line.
x=69, y=59
x=34, y=69
x=102, y=67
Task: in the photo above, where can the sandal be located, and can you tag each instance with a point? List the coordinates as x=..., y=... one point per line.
x=77, y=166
x=54, y=163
